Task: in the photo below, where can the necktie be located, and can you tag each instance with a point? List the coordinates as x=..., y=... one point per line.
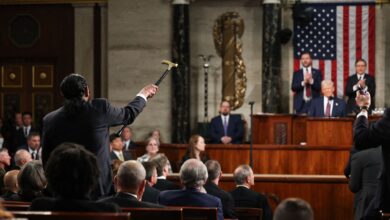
x=25, y=132
x=33, y=155
x=327, y=111
x=121, y=156
x=308, y=86
x=225, y=125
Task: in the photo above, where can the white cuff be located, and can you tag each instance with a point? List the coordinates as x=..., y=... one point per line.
x=142, y=96
x=303, y=83
x=362, y=113
x=355, y=88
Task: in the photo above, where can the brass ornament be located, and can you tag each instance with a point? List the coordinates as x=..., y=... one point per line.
x=227, y=32
x=12, y=76
x=42, y=75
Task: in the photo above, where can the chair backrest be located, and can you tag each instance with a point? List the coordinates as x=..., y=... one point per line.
x=199, y=213
x=155, y=213
x=249, y=213
x=385, y=216
x=16, y=205
x=71, y=215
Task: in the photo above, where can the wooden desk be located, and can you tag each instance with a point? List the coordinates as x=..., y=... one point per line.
x=268, y=159
x=329, y=131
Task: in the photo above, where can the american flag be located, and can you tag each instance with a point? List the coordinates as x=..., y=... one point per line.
x=336, y=36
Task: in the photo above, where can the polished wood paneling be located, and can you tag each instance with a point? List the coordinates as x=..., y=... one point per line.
x=324, y=131
x=268, y=159
x=328, y=195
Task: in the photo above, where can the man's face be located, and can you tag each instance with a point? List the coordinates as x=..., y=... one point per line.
x=117, y=144
x=126, y=134
x=224, y=108
x=306, y=60
x=252, y=179
x=360, y=67
x=5, y=158
x=18, y=119
x=327, y=90
x=34, y=142
x=27, y=120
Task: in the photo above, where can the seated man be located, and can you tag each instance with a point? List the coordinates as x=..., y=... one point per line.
x=11, y=186
x=72, y=173
x=116, y=145
x=162, y=166
x=130, y=186
x=22, y=157
x=193, y=175
x=33, y=145
x=211, y=187
x=126, y=136
x=327, y=105
x=226, y=128
x=293, y=209
x=245, y=197
x=151, y=193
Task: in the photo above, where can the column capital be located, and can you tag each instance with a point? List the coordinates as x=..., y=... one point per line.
x=271, y=2
x=180, y=2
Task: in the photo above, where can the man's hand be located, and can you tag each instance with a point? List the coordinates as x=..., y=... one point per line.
x=149, y=91
x=362, y=83
x=363, y=99
x=308, y=78
x=226, y=139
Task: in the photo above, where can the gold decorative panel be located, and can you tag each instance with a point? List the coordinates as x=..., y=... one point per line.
x=11, y=76
x=42, y=76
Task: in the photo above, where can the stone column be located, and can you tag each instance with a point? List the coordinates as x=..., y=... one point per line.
x=272, y=78
x=181, y=75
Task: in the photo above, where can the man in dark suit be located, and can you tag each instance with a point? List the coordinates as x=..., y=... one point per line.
x=306, y=84
x=87, y=122
x=14, y=128
x=130, y=185
x=211, y=187
x=151, y=193
x=162, y=166
x=23, y=132
x=117, y=152
x=327, y=105
x=226, y=128
x=365, y=167
x=245, y=197
x=127, y=135
x=365, y=136
x=359, y=81
x=33, y=145
x=193, y=175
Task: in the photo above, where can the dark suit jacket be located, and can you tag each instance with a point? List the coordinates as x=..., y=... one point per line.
x=317, y=107
x=226, y=199
x=365, y=168
x=373, y=136
x=235, y=129
x=125, y=200
x=25, y=147
x=244, y=197
x=163, y=184
x=53, y=204
x=20, y=139
x=371, y=87
x=300, y=106
x=126, y=155
x=190, y=197
x=150, y=194
x=89, y=128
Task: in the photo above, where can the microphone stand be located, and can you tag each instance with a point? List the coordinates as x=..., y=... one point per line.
x=251, y=103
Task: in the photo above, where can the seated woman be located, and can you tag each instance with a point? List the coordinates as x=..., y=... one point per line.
x=31, y=181
x=152, y=148
x=196, y=148
x=156, y=134
x=72, y=173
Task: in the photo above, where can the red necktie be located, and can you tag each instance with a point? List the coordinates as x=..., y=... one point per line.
x=308, y=86
x=327, y=111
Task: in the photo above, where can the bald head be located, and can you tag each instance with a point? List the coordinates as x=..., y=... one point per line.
x=11, y=181
x=22, y=157
x=131, y=175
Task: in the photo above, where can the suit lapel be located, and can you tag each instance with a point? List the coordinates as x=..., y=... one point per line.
x=321, y=110
x=335, y=107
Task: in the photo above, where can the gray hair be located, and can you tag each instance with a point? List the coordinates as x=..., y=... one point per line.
x=327, y=82
x=21, y=155
x=131, y=174
x=241, y=173
x=293, y=209
x=193, y=173
x=213, y=169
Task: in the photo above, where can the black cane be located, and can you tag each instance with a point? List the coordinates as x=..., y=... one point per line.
x=170, y=66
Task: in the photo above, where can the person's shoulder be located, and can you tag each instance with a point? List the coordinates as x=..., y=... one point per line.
x=215, y=118
x=51, y=114
x=99, y=102
x=150, y=205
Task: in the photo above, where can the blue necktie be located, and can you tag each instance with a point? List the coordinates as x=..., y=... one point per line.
x=225, y=125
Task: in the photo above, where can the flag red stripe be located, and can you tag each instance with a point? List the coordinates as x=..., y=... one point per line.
x=358, y=34
x=334, y=76
x=321, y=66
x=371, y=40
x=296, y=65
x=345, y=44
